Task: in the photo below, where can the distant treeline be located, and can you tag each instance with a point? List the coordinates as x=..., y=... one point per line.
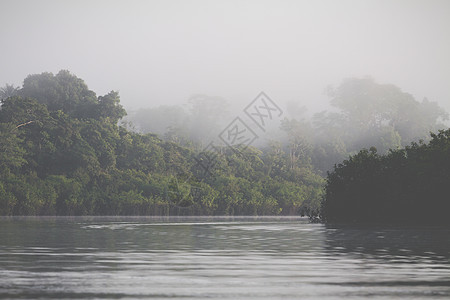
x=410, y=185
x=363, y=113
x=62, y=152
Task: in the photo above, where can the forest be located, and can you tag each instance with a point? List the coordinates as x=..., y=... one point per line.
x=66, y=151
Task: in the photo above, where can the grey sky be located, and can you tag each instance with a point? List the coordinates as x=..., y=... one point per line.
x=162, y=52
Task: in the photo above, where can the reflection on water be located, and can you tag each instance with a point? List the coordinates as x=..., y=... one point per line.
x=218, y=258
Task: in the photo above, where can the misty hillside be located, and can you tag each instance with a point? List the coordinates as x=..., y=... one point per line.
x=363, y=114
x=63, y=152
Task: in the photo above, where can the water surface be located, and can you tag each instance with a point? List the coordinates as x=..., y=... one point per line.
x=219, y=258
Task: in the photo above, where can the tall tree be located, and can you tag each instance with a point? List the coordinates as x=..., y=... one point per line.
x=63, y=91
x=382, y=114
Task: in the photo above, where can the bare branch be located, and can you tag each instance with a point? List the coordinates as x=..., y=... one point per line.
x=24, y=124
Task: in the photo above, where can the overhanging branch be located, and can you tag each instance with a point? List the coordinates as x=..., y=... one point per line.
x=24, y=124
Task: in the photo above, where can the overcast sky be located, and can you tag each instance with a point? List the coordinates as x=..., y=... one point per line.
x=162, y=52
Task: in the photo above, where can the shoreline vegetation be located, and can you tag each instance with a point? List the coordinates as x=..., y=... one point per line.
x=63, y=153
x=410, y=185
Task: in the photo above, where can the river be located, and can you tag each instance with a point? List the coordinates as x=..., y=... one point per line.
x=219, y=258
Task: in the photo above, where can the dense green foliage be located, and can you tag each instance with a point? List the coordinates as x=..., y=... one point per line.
x=406, y=185
x=62, y=153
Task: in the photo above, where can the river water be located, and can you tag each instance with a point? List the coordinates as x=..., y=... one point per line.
x=219, y=258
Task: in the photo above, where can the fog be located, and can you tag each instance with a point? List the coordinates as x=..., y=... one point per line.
x=163, y=52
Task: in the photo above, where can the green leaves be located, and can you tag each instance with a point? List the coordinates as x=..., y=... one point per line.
x=11, y=152
x=109, y=107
